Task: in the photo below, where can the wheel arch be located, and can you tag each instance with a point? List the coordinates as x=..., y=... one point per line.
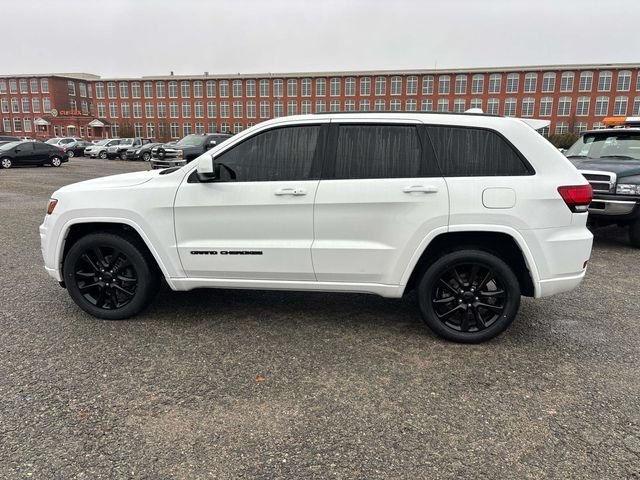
x=507, y=245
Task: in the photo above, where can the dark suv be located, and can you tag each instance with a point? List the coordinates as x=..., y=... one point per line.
x=188, y=148
x=610, y=160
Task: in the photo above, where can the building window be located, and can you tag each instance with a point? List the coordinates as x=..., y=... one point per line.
x=635, y=111
x=149, y=110
x=33, y=83
x=17, y=124
x=83, y=89
x=365, y=86
x=224, y=88
x=24, y=86
x=528, y=104
x=582, y=107
x=251, y=109
x=173, y=89
x=278, y=88
x=35, y=105
x=264, y=88
x=412, y=85
x=225, y=127
x=477, y=84
x=379, y=105
x=237, y=110
x=476, y=103
x=113, y=110
x=620, y=106
x=211, y=88
x=13, y=86
x=334, y=87
x=604, y=81
x=566, y=82
x=320, y=106
x=306, y=106
x=173, y=109
x=427, y=85
x=137, y=111
x=549, y=82
x=350, y=105
x=6, y=124
x=15, y=105
x=510, y=106
x=459, y=105
x=135, y=91
x=411, y=105
x=212, y=110
x=73, y=106
x=44, y=85
x=426, y=105
x=198, y=108
x=25, y=105
x=292, y=87
x=278, y=108
x=29, y=128
x=224, y=109
x=151, y=130
x=212, y=127
x=334, y=106
x=580, y=127
x=461, y=85
x=237, y=88
x=5, y=105
x=162, y=110
x=137, y=129
x=530, y=82
x=396, y=85
x=444, y=86
x=148, y=90
x=186, y=129
x=350, y=87
x=292, y=108
x=493, y=105
x=562, y=128
x=495, y=81
x=250, y=86
x=124, y=90
x=321, y=87
x=100, y=90
x=102, y=111
x=160, y=90
x=111, y=90
x=365, y=106
x=546, y=106
x=197, y=89
x=264, y=109
x=125, y=109
x=564, y=106
x=586, y=82
x=443, y=105
x=381, y=86
x=306, y=87
x=602, y=106
x=237, y=127
x=185, y=89
x=624, y=81
x=513, y=79
x=396, y=105
x=175, y=130
x=3, y=85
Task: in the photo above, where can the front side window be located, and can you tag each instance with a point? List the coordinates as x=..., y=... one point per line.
x=377, y=151
x=281, y=154
x=471, y=152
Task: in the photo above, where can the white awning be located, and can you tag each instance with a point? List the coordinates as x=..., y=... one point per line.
x=71, y=126
x=96, y=123
x=41, y=122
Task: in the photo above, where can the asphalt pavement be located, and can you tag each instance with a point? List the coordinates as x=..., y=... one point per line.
x=255, y=384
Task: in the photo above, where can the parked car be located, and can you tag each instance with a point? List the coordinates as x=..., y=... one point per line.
x=99, y=149
x=141, y=152
x=120, y=150
x=8, y=138
x=470, y=211
x=26, y=152
x=610, y=160
x=185, y=150
x=75, y=148
x=62, y=141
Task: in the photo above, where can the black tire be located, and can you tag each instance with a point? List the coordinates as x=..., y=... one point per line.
x=55, y=161
x=452, y=304
x=102, y=155
x=146, y=156
x=6, y=162
x=110, y=276
x=71, y=153
x=634, y=233
x=123, y=155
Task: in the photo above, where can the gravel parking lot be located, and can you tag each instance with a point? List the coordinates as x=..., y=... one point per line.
x=249, y=384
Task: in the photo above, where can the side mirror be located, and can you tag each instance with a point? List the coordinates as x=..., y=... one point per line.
x=17, y=150
x=205, y=169
x=211, y=144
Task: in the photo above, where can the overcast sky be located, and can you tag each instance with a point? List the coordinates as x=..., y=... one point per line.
x=152, y=37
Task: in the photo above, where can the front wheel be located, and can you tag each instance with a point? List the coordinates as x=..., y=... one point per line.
x=71, y=153
x=109, y=276
x=123, y=155
x=469, y=296
x=634, y=233
x=146, y=157
x=56, y=162
x=6, y=163
x=102, y=155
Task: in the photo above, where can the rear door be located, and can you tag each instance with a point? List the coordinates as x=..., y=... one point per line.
x=25, y=154
x=380, y=196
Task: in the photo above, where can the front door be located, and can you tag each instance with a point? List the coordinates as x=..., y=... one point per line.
x=25, y=154
x=381, y=196
x=256, y=221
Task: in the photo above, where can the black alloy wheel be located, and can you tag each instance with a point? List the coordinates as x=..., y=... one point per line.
x=146, y=157
x=469, y=296
x=110, y=276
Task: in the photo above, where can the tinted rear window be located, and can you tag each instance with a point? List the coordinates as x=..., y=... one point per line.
x=474, y=152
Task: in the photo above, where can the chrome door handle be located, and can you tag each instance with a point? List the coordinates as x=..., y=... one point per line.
x=421, y=189
x=296, y=192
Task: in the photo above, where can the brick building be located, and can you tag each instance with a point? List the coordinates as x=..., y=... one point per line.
x=572, y=97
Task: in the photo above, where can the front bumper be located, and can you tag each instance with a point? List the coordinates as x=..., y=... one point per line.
x=614, y=208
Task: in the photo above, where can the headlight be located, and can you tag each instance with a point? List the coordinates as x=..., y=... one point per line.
x=628, y=189
x=179, y=154
x=51, y=205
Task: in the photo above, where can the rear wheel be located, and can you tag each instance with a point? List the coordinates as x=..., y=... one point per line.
x=102, y=155
x=56, y=161
x=469, y=296
x=109, y=276
x=634, y=233
x=146, y=157
x=6, y=163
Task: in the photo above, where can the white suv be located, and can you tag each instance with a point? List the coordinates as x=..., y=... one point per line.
x=470, y=211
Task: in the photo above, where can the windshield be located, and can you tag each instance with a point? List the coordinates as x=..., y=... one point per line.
x=10, y=145
x=191, y=140
x=52, y=141
x=102, y=142
x=621, y=145
x=126, y=141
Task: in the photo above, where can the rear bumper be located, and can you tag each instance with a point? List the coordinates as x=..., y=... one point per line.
x=549, y=287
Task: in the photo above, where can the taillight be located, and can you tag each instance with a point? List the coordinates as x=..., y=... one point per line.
x=577, y=197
